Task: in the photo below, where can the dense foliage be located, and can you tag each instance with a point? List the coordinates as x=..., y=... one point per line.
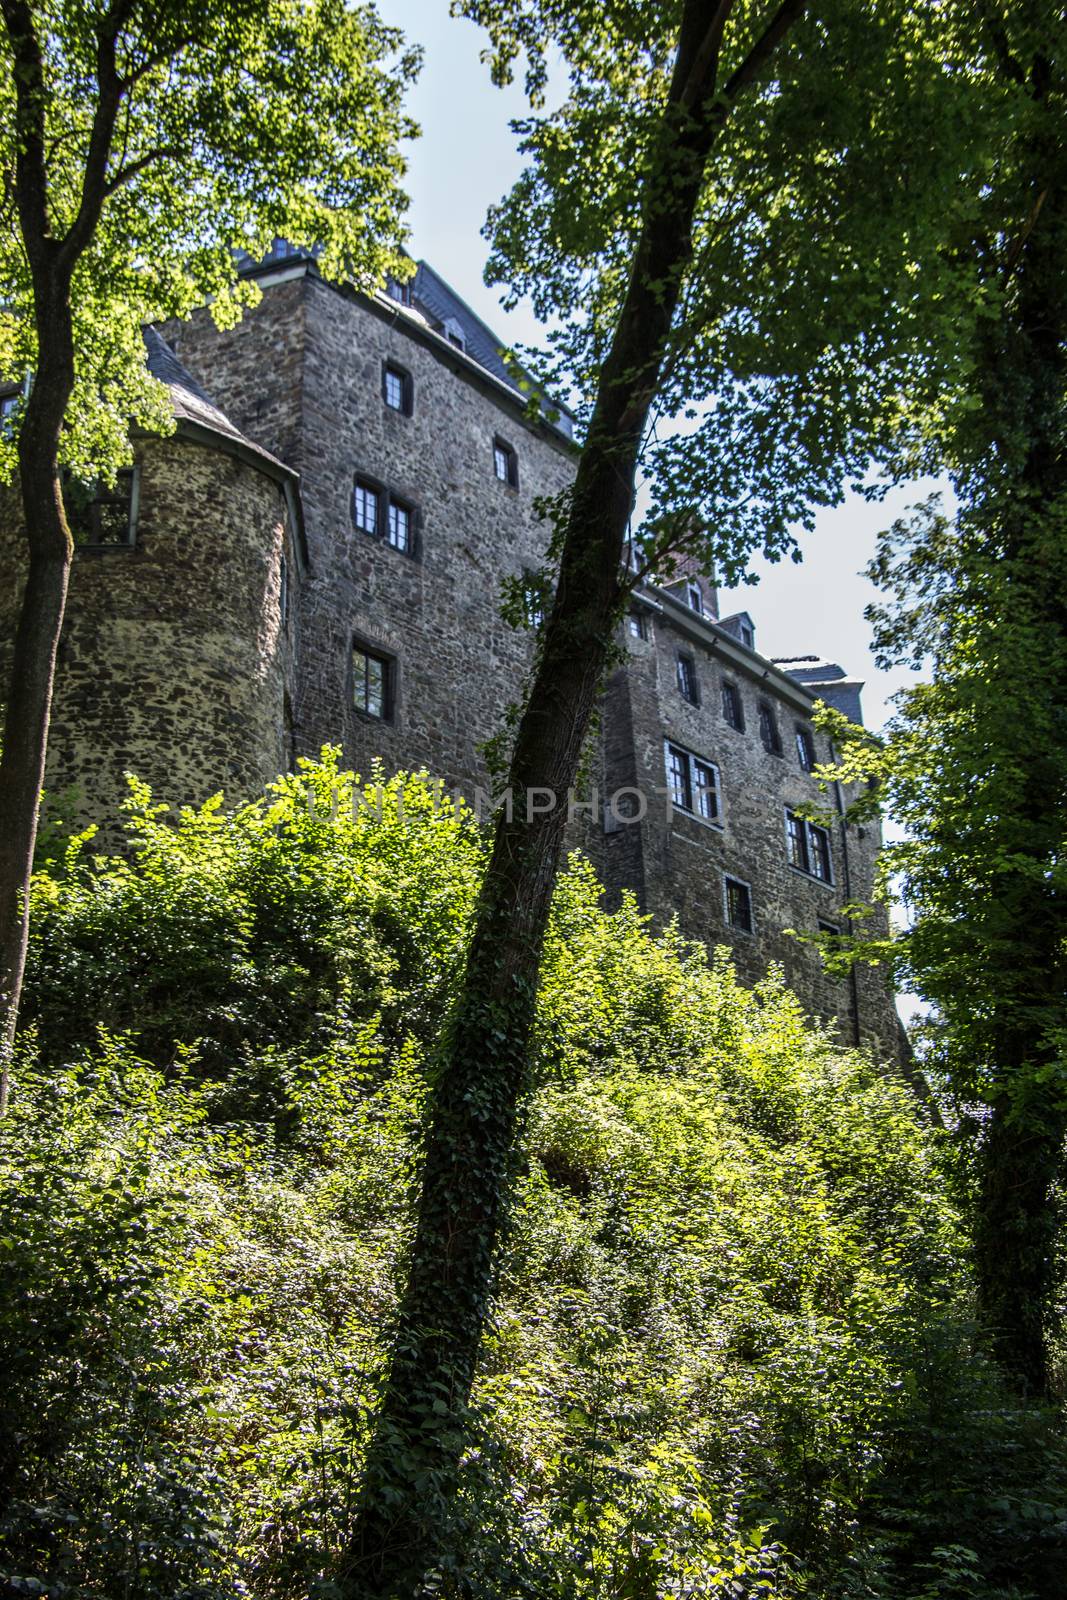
x=730, y=1351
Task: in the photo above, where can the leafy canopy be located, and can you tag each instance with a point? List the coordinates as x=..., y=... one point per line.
x=820, y=314
x=238, y=121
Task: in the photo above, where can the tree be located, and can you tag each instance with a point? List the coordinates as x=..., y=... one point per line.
x=142, y=145
x=974, y=764
x=720, y=233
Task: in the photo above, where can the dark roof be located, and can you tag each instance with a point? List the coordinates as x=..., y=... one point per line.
x=192, y=405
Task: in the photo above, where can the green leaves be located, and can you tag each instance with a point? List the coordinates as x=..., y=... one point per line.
x=238, y=122
x=731, y=1310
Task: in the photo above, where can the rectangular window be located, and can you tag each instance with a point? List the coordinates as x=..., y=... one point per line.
x=397, y=389
x=829, y=928
x=10, y=405
x=365, y=507
x=796, y=831
x=505, y=463
x=706, y=790
x=694, y=598
x=808, y=847
x=693, y=783
x=372, y=685
x=805, y=747
x=770, y=738
x=738, y=898
x=98, y=514
x=400, y=521
x=678, y=777
x=687, y=679
x=819, y=851
x=637, y=624
x=732, y=710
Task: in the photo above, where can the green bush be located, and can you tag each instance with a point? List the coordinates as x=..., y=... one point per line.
x=730, y=1352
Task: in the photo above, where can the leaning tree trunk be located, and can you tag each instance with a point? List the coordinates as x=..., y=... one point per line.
x=29, y=689
x=421, y=1428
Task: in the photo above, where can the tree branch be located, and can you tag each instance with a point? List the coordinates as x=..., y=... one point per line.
x=789, y=12
x=706, y=54
x=108, y=100
x=127, y=173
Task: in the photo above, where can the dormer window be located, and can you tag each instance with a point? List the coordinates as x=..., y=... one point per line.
x=505, y=463
x=454, y=333
x=694, y=599
x=747, y=635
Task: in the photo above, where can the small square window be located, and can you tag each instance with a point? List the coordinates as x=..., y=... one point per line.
x=637, y=623
x=805, y=748
x=397, y=389
x=98, y=514
x=372, y=683
x=401, y=526
x=738, y=898
x=770, y=738
x=732, y=709
x=366, y=507
x=505, y=463
x=687, y=679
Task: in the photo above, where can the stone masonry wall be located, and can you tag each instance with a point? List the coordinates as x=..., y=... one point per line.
x=173, y=662
x=675, y=862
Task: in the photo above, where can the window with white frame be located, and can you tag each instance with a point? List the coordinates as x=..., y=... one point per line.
x=384, y=515
x=366, y=506
x=694, y=599
x=808, y=847
x=693, y=783
x=401, y=520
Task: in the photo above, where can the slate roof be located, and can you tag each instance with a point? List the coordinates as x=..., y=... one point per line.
x=192, y=405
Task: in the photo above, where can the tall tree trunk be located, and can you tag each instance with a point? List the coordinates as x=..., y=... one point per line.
x=1015, y=1242
x=1022, y=431
x=29, y=691
x=421, y=1428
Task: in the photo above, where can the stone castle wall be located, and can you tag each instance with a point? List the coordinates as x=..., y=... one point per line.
x=173, y=663
x=675, y=863
x=176, y=664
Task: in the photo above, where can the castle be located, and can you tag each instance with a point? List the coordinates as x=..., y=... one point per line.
x=317, y=555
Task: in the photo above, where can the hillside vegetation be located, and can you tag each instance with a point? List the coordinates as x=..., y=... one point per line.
x=731, y=1353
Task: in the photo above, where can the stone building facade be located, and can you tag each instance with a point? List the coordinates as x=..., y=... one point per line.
x=318, y=555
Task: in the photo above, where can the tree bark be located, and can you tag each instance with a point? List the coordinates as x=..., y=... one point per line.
x=1021, y=438
x=29, y=695
x=422, y=1425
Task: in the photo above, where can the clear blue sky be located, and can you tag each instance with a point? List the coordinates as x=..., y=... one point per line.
x=465, y=160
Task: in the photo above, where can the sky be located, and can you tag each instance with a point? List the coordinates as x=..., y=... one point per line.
x=465, y=160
